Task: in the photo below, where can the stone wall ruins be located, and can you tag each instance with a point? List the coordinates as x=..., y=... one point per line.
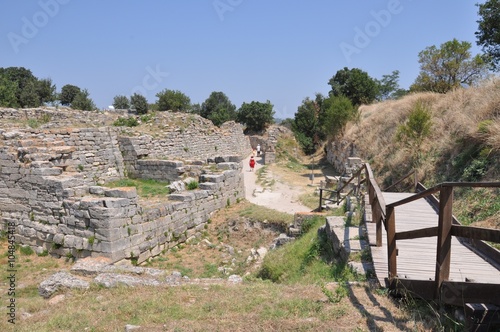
x=51, y=183
x=338, y=153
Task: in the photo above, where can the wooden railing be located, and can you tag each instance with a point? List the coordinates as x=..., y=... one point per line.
x=337, y=194
x=444, y=231
x=411, y=173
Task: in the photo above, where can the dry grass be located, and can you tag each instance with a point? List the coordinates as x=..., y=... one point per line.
x=459, y=119
x=252, y=306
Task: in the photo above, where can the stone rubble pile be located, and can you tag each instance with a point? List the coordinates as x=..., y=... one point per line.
x=101, y=272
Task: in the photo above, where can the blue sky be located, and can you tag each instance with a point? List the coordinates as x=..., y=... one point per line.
x=252, y=50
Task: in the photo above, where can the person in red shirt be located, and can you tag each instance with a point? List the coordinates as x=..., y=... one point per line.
x=252, y=163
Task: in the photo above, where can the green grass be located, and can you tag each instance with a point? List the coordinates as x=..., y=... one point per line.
x=260, y=213
x=473, y=205
x=145, y=188
x=305, y=260
x=192, y=185
x=126, y=122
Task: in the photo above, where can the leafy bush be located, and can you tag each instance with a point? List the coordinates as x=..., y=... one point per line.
x=82, y=101
x=256, y=115
x=173, y=100
x=26, y=250
x=192, y=185
x=416, y=128
x=121, y=102
x=139, y=103
x=126, y=122
x=476, y=170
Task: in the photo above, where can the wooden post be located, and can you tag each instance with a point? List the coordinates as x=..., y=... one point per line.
x=377, y=218
x=391, y=242
x=320, y=199
x=415, y=180
x=443, y=255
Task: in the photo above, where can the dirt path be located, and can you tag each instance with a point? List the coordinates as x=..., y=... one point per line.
x=277, y=195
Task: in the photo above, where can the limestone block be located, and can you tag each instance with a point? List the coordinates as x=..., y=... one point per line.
x=228, y=166
x=97, y=212
x=209, y=186
x=200, y=194
x=112, y=202
x=184, y=197
x=71, y=241
x=59, y=238
x=108, y=223
x=63, y=181
x=46, y=171
x=114, y=246
x=213, y=178
x=121, y=192
x=110, y=234
x=137, y=219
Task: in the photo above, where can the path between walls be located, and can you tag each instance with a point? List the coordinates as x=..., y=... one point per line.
x=280, y=196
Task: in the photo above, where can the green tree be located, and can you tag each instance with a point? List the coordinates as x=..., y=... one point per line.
x=355, y=84
x=83, y=102
x=7, y=92
x=68, y=93
x=388, y=87
x=488, y=34
x=448, y=67
x=306, y=124
x=336, y=113
x=173, y=100
x=46, y=91
x=140, y=103
x=417, y=127
x=29, y=96
x=121, y=102
x=256, y=115
x=25, y=81
x=218, y=108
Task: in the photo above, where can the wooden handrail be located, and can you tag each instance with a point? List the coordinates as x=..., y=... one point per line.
x=338, y=191
x=401, y=180
x=444, y=231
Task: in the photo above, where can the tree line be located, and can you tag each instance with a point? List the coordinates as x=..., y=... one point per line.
x=442, y=68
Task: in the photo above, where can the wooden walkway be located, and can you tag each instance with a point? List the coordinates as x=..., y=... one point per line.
x=417, y=257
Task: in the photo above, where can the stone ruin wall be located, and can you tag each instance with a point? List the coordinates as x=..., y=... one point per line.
x=152, y=157
x=51, y=189
x=338, y=153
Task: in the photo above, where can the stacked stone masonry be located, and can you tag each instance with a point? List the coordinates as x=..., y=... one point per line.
x=51, y=187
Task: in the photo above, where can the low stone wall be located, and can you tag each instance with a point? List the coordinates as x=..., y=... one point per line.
x=338, y=153
x=110, y=222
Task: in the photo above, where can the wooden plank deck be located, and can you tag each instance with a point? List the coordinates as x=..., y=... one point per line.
x=417, y=257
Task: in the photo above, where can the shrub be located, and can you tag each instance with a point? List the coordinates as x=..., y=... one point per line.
x=192, y=185
x=126, y=122
x=26, y=250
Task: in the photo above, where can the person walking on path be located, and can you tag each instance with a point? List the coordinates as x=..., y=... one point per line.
x=252, y=163
x=258, y=150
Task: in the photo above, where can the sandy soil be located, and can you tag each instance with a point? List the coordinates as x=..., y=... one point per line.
x=280, y=196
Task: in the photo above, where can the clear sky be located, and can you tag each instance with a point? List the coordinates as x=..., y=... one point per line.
x=252, y=50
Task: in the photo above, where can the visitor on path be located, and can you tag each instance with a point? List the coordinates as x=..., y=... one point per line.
x=252, y=163
x=258, y=149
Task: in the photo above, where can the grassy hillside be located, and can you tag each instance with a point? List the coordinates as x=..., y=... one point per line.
x=463, y=144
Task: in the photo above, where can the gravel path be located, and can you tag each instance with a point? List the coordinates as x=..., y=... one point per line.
x=280, y=197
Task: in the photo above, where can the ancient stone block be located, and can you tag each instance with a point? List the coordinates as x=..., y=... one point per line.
x=121, y=192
